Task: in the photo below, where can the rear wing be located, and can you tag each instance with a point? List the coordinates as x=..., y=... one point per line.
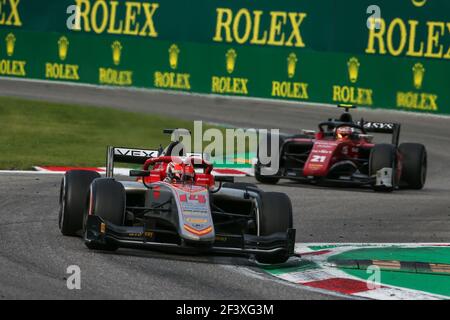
x=139, y=156
x=127, y=155
x=383, y=127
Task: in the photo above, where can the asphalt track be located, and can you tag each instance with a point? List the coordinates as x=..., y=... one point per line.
x=34, y=256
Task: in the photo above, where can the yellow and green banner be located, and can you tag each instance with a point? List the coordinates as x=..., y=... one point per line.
x=394, y=54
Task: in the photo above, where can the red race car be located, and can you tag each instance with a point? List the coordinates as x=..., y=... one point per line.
x=174, y=203
x=342, y=153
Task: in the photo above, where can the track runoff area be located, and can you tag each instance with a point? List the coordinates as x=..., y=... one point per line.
x=411, y=262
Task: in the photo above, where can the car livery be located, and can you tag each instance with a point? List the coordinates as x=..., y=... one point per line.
x=327, y=157
x=151, y=210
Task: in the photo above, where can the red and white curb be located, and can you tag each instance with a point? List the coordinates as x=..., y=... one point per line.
x=325, y=276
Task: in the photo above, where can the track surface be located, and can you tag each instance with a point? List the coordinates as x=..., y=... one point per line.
x=34, y=256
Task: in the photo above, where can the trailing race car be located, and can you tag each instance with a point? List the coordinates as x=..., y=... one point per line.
x=342, y=153
x=174, y=203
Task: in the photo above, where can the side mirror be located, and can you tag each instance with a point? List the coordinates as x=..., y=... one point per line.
x=367, y=137
x=139, y=173
x=224, y=179
x=308, y=132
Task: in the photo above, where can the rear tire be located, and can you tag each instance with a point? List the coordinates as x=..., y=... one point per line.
x=275, y=217
x=384, y=156
x=264, y=179
x=107, y=201
x=414, y=165
x=72, y=200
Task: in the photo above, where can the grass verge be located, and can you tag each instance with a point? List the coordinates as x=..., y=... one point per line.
x=40, y=133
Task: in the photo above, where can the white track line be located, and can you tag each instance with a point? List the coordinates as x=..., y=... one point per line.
x=20, y=172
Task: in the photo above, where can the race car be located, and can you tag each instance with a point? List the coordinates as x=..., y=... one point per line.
x=175, y=203
x=342, y=153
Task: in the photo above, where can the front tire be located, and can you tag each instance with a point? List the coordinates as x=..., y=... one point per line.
x=384, y=156
x=414, y=165
x=72, y=199
x=275, y=217
x=107, y=201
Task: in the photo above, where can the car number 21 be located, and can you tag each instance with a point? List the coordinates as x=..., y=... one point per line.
x=318, y=159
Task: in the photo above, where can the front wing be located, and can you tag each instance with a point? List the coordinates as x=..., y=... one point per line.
x=297, y=175
x=101, y=232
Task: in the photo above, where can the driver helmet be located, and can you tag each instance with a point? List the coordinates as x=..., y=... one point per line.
x=178, y=172
x=174, y=171
x=344, y=133
x=189, y=172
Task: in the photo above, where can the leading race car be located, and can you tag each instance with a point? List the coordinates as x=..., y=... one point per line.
x=174, y=203
x=342, y=153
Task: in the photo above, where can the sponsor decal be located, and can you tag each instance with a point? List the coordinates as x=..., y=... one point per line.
x=353, y=69
x=379, y=126
x=419, y=3
x=193, y=199
x=199, y=213
x=200, y=198
x=417, y=99
x=256, y=27
x=411, y=38
x=198, y=232
x=313, y=166
x=228, y=84
x=195, y=220
x=12, y=67
x=326, y=145
x=172, y=79
x=61, y=70
x=323, y=151
x=135, y=153
x=147, y=234
x=10, y=13
x=352, y=94
x=113, y=76
x=231, y=60
x=132, y=18
x=290, y=89
x=293, y=90
x=116, y=52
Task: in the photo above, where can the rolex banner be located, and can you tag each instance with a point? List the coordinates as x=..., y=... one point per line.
x=394, y=54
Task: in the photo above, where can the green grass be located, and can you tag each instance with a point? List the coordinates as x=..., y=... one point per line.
x=39, y=133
